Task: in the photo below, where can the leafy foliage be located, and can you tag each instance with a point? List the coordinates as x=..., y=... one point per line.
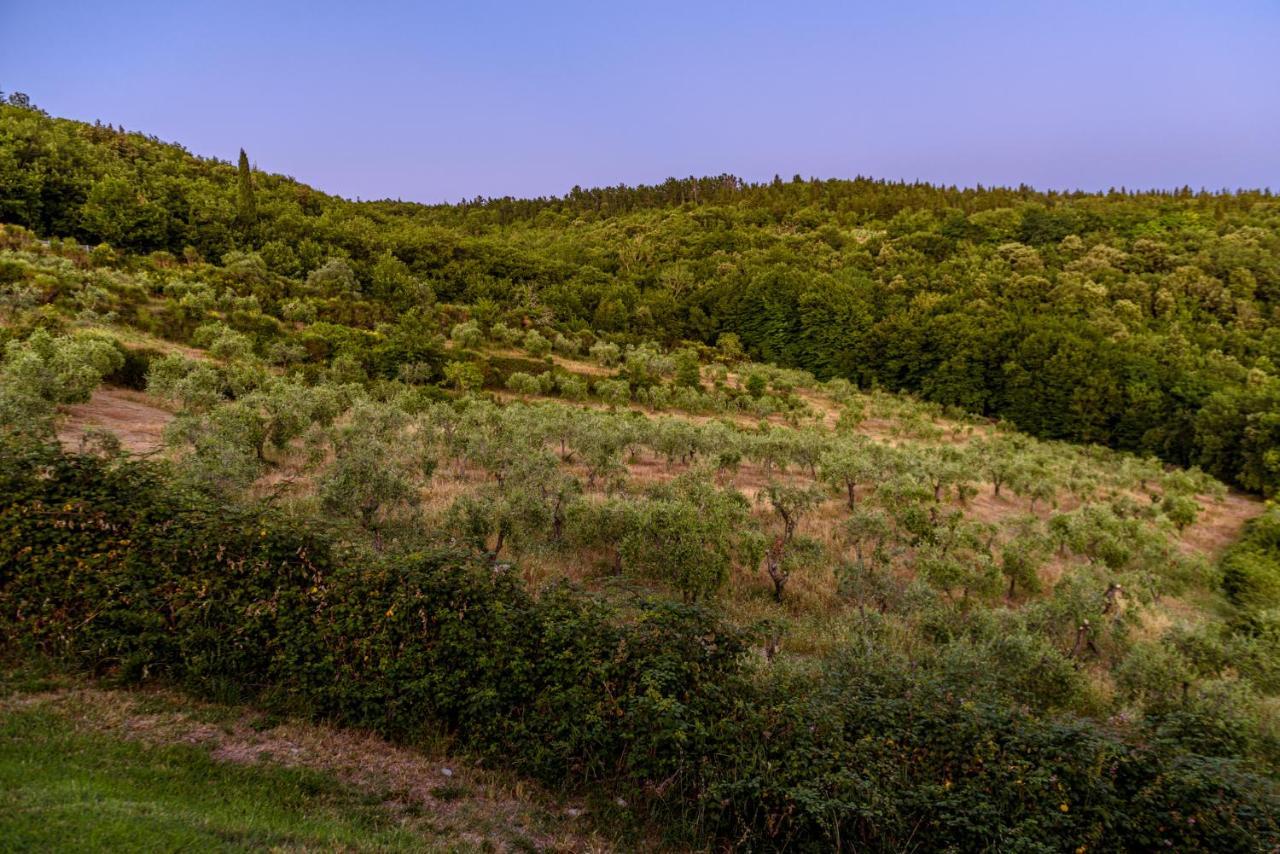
x=653, y=700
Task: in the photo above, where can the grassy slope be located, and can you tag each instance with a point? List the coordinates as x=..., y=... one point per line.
x=68, y=790
x=89, y=769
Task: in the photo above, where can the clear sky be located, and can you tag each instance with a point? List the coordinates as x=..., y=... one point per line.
x=441, y=101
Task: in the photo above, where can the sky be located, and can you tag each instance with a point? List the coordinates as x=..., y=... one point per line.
x=440, y=101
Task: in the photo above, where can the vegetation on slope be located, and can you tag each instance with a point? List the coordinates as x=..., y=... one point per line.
x=1144, y=321
x=653, y=699
x=425, y=489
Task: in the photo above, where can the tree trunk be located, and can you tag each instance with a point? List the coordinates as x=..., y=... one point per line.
x=773, y=564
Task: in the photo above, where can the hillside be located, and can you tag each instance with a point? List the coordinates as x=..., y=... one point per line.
x=801, y=515
x=1144, y=321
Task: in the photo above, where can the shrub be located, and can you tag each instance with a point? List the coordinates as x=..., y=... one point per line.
x=522, y=383
x=105, y=565
x=464, y=376
x=536, y=345
x=1251, y=568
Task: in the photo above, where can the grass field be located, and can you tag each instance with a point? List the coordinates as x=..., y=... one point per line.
x=87, y=769
x=67, y=790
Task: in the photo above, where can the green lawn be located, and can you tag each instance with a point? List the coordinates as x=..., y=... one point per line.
x=63, y=790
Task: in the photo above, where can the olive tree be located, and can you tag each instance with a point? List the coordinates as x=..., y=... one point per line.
x=606, y=353
x=523, y=383
x=1181, y=510
x=790, y=504
x=1020, y=562
x=853, y=461
x=44, y=370
x=466, y=334
x=687, y=534
x=378, y=468
x=614, y=392
x=536, y=345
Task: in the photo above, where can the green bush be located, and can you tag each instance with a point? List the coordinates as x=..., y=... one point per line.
x=1251, y=568
x=106, y=566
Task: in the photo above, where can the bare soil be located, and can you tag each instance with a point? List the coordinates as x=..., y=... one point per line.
x=137, y=420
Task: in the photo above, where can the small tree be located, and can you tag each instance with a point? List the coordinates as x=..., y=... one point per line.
x=536, y=345
x=42, y=371
x=464, y=376
x=565, y=345
x=1020, y=562
x=998, y=460
x=606, y=353
x=376, y=468
x=572, y=388
x=504, y=334
x=614, y=392
x=687, y=534
x=1181, y=510
x=466, y=334
x=522, y=383
x=869, y=532
x=334, y=279
x=851, y=417
x=729, y=348
x=687, y=368
x=790, y=504
x=848, y=463
x=247, y=209
x=604, y=525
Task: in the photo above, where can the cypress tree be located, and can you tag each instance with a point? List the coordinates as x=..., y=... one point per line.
x=248, y=212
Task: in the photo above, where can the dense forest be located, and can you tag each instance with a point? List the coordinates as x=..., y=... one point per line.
x=804, y=515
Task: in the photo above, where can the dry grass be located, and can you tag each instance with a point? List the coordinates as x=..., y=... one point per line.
x=136, y=419
x=139, y=422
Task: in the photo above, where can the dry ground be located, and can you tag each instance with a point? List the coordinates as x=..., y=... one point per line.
x=136, y=419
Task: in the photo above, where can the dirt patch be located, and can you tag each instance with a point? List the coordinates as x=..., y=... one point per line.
x=1220, y=523
x=134, y=418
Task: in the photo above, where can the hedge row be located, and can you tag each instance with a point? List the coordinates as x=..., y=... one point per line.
x=105, y=566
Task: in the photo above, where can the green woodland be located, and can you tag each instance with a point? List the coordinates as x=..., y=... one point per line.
x=799, y=515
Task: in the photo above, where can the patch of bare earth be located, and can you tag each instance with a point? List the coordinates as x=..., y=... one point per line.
x=133, y=417
x=1220, y=523
x=434, y=794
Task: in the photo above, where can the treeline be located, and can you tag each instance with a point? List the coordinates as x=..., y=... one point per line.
x=1145, y=321
x=107, y=565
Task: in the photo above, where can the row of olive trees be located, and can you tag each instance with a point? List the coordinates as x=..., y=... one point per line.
x=373, y=459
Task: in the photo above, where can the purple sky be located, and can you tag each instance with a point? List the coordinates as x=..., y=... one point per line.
x=440, y=101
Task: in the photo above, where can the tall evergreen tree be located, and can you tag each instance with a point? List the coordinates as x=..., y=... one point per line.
x=248, y=210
